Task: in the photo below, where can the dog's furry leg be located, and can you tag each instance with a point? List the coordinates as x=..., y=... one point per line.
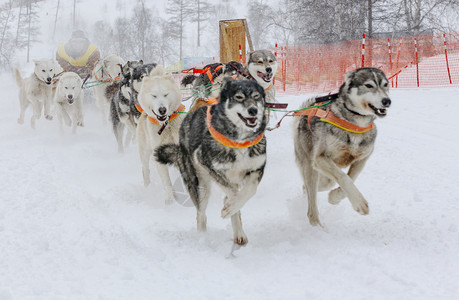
x=118, y=129
x=24, y=103
x=145, y=150
x=328, y=168
x=163, y=172
x=47, y=106
x=336, y=195
x=237, y=200
x=36, y=113
x=311, y=179
x=240, y=238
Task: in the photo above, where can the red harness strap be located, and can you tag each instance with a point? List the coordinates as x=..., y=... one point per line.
x=328, y=116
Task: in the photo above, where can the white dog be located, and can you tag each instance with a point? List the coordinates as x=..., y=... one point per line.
x=36, y=90
x=68, y=101
x=159, y=124
x=106, y=72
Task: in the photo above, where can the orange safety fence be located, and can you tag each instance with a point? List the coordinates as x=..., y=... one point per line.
x=423, y=61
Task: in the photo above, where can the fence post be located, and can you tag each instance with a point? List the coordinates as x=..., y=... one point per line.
x=275, y=54
x=398, y=58
x=285, y=66
x=363, y=50
x=446, y=57
x=417, y=60
x=240, y=54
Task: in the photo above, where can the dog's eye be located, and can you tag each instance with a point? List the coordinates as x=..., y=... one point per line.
x=271, y=61
x=51, y=70
x=260, y=62
x=385, y=85
x=239, y=97
x=66, y=88
x=369, y=86
x=256, y=96
x=73, y=88
x=154, y=96
x=43, y=70
x=165, y=95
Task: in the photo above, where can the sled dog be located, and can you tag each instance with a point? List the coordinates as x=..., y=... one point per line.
x=339, y=135
x=68, y=101
x=262, y=66
x=107, y=72
x=207, y=85
x=123, y=113
x=224, y=143
x=36, y=90
x=160, y=99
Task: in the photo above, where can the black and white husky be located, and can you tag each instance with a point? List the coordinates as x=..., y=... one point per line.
x=224, y=143
x=123, y=113
x=262, y=66
x=340, y=135
x=208, y=84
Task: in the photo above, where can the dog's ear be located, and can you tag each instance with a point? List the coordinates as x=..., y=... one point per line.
x=157, y=71
x=227, y=81
x=347, y=76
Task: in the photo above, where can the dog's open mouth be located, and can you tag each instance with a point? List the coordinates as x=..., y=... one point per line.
x=48, y=82
x=249, y=122
x=380, y=112
x=160, y=118
x=265, y=76
x=70, y=101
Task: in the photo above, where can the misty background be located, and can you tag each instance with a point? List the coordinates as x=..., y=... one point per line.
x=168, y=30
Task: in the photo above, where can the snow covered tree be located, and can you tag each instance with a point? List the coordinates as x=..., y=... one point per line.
x=6, y=17
x=178, y=11
x=201, y=12
x=260, y=22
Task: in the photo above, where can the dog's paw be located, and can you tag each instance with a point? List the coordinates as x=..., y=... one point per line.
x=336, y=195
x=362, y=207
x=169, y=200
x=314, y=220
x=20, y=121
x=81, y=124
x=241, y=240
x=48, y=117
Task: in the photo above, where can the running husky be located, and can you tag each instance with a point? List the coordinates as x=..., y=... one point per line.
x=207, y=85
x=160, y=99
x=107, y=72
x=225, y=143
x=123, y=113
x=262, y=66
x=340, y=135
x=36, y=90
x=68, y=101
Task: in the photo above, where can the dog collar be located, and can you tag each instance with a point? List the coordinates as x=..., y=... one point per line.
x=155, y=121
x=219, y=137
x=328, y=116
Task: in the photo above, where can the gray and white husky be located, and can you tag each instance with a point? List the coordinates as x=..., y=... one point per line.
x=123, y=113
x=262, y=66
x=107, y=72
x=322, y=149
x=223, y=143
x=36, y=90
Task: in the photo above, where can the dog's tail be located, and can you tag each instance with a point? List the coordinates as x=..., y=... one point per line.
x=176, y=155
x=18, y=77
x=188, y=79
x=168, y=154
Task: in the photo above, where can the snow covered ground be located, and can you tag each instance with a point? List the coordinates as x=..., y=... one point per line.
x=77, y=223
